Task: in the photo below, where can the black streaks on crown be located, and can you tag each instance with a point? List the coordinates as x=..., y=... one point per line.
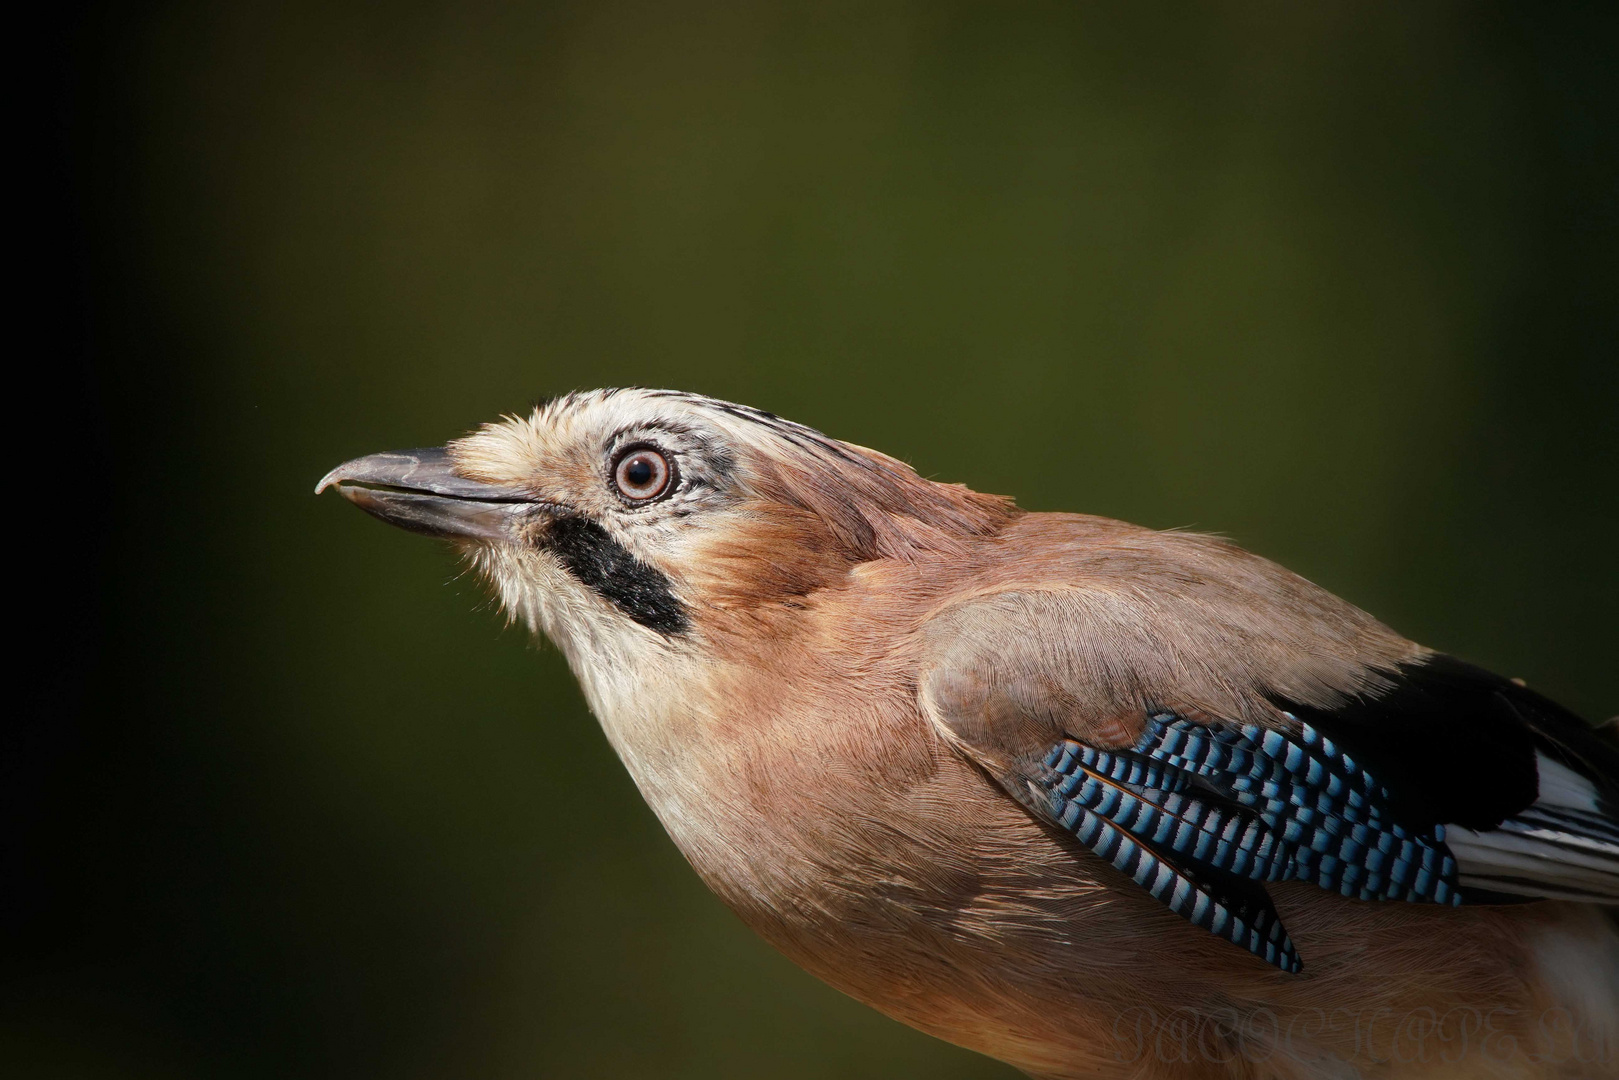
x=601, y=563
x=799, y=435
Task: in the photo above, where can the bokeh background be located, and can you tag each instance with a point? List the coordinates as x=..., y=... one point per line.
x=290, y=799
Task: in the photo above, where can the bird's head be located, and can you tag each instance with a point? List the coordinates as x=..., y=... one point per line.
x=617, y=519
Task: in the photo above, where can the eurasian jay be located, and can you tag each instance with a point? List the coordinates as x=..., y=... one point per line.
x=1093, y=799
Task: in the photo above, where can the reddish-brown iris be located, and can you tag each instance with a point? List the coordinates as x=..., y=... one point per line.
x=642, y=475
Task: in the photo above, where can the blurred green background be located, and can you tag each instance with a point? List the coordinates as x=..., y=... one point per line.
x=1335, y=280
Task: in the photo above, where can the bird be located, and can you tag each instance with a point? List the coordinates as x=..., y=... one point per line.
x=1095, y=800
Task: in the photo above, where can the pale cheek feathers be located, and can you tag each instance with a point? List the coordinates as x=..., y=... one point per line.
x=534, y=587
x=610, y=654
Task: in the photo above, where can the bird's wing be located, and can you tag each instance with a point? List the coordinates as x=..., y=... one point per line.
x=1424, y=779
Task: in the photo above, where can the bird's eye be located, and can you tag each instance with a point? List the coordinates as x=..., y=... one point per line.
x=642, y=474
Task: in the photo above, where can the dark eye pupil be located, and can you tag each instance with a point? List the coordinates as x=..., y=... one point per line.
x=643, y=475
x=639, y=472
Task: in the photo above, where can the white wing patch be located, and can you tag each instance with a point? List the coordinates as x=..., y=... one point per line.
x=1565, y=845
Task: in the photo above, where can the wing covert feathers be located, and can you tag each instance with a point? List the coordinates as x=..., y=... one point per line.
x=1422, y=780
x=1333, y=819
x=1183, y=852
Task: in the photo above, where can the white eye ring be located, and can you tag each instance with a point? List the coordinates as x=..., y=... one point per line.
x=642, y=474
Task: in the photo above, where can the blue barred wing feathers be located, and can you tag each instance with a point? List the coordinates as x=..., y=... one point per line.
x=1229, y=803
x=1382, y=773
x=1195, y=808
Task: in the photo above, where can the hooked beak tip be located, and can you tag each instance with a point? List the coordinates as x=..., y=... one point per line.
x=420, y=491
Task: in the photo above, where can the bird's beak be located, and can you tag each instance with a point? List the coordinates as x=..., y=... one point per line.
x=419, y=490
